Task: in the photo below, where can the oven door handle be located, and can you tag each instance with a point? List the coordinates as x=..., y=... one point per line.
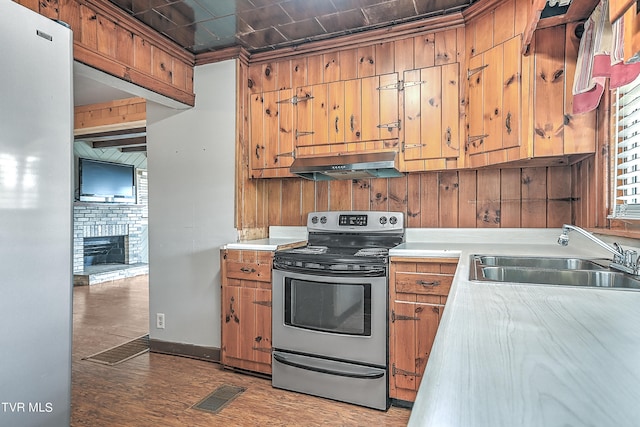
x=369, y=375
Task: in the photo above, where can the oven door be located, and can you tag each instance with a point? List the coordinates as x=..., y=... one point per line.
x=343, y=318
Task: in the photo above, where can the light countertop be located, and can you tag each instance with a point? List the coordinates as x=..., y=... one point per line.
x=279, y=238
x=519, y=355
x=528, y=355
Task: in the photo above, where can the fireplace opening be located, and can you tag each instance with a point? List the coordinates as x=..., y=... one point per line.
x=104, y=250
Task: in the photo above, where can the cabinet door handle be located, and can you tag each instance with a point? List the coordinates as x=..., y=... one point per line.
x=247, y=270
x=257, y=151
x=507, y=123
x=423, y=283
x=352, y=122
x=395, y=317
x=337, y=130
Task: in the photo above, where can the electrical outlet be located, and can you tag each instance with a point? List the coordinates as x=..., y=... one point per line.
x=160, y=320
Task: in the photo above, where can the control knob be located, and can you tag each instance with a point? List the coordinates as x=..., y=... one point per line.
x=314, y=219
x=393, y=220
x=383, y=220
x=323, y=219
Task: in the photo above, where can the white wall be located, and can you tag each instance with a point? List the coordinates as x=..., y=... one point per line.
x=191, y=161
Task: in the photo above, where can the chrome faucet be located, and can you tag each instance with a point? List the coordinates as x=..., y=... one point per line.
x=623, y=260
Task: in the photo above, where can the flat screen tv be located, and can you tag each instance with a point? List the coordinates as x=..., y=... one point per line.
x=106, y=181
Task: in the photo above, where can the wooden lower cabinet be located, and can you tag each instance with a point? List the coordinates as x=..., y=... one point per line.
x=246, y=310
x=418, y=290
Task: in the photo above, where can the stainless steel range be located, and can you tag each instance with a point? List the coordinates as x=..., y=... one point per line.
x=330, y=308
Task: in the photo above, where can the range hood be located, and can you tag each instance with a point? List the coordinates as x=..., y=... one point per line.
x=347, y=166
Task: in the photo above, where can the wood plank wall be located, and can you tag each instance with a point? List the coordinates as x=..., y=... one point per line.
x=508, y=197
x=518, y=197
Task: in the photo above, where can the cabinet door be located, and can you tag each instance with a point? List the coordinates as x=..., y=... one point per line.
x=370, y=108
x=336, y=111
x=331, y=117
x=495, y=98
x=256, y=136
x=271, y=127
x=353, y=111
x=413, y=330
x=475, y=121
x=389, y=114
x=246, y=328
x=511, y=93
x=262, y=338
x=492, y=93
x=231, y=314
x=431, y=120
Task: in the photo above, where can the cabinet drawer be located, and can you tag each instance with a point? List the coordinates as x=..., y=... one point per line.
x=423, y=283
x=248, y=271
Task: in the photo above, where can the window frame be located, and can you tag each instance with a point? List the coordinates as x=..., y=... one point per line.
x=625, y=212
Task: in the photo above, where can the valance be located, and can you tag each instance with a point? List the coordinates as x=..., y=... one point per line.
x=600, y=57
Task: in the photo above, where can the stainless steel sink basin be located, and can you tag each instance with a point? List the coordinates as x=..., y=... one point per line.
x=543, y=262
x=550, y=271
x=601, y=279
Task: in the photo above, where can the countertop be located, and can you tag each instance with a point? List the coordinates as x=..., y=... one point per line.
x=518, y=355
x=527, y=355
x=279, y=238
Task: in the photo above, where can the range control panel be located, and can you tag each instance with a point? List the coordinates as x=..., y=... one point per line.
x=369, y=221
x=358, y=220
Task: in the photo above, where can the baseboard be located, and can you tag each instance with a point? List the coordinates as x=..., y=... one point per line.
x=209, y=354
x=401, y=403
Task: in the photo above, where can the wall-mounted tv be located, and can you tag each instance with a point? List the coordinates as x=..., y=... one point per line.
x=106, y=181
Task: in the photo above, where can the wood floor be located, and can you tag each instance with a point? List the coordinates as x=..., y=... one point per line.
x=159, y=390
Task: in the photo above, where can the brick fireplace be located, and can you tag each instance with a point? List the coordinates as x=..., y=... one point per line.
x=98, y=225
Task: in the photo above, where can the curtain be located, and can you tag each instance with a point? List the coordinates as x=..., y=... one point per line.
x=600, y=57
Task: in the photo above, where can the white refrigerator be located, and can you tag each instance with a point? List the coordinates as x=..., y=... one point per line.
x=36, y=128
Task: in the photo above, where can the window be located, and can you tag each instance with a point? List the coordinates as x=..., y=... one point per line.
x=626, y=183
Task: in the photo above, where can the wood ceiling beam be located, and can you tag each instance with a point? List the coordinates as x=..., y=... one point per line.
x=117, y=132
x=142, y=148
x=123, y=142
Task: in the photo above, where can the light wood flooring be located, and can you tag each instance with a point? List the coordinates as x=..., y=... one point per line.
x=159, y=390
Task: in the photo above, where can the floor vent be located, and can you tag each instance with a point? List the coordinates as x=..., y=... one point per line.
x=122, y=352
x=220, y=398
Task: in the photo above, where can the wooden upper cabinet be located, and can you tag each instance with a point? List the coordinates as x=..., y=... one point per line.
x=576, y=11
x=494, y=110
x=107, y=38
x=271, y=133
x=519, y=107
x=431, y=119
x=350, y=115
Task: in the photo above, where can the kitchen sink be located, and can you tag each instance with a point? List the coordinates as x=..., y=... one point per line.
x=550, y=271
x=544, y=263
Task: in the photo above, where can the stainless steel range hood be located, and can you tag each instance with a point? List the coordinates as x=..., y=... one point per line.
x=347, y=166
